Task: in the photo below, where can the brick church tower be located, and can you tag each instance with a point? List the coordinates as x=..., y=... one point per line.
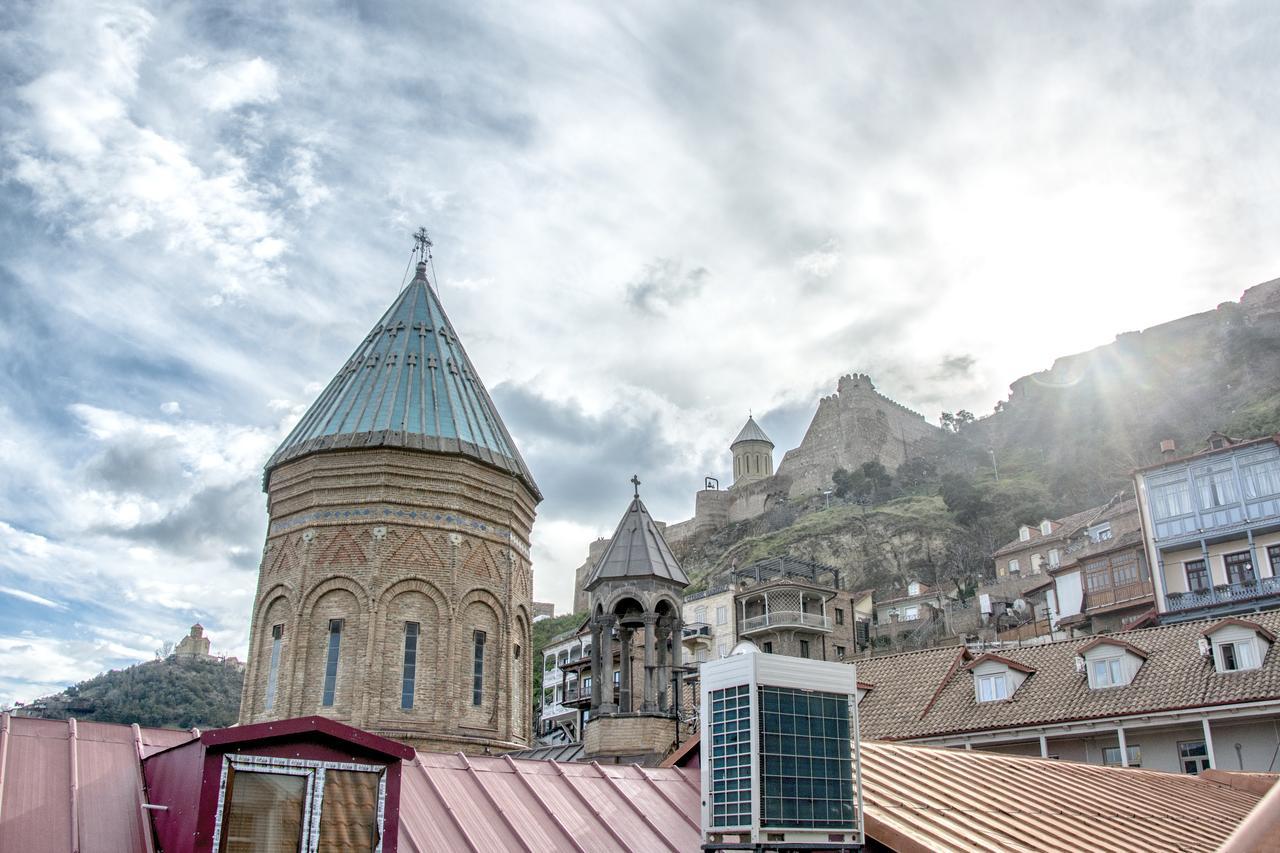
x=395, y=591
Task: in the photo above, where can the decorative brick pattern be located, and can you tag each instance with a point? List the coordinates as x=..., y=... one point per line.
x=380, y=537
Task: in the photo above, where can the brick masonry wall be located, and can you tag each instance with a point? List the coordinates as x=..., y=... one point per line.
x=379, y=538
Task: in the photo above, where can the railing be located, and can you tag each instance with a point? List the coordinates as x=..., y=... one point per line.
x=1117, y=595
x=785, y=619
x=696, y=629
x=1225, y=594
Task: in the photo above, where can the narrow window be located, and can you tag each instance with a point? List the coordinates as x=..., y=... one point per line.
x=331, y=664
x=839, y=616
x=1197, y=576
x=768, y=648
x=722, y=614
x=410, y=664
x=804, y=648
x=839, y=652
x=477, y=669
x=273, y=674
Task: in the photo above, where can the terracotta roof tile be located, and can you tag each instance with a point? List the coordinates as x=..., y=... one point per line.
x=1173, y=676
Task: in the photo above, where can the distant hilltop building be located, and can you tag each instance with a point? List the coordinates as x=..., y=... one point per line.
x=855, y=425
x=194, y=645
x=395, y=591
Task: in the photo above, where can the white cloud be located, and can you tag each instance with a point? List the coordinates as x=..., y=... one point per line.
x=31, y=597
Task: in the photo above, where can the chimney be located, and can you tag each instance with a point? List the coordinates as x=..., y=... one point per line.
x=1168, y=449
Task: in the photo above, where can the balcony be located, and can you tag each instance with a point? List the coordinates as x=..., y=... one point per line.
x=696, y=631
x=1226, y=596
x=775, y=619
x=1134, y=593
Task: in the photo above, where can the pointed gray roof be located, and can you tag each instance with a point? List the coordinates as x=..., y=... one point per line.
x=637, y=551
x=409, y=384
x=751, y=432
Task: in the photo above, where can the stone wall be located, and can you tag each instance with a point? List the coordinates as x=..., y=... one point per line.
x=857, y=424
x=594, y=552
x=637, y=738
x=378, y=538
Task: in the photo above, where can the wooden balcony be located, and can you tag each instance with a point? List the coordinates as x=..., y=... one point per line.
x=1134, y=593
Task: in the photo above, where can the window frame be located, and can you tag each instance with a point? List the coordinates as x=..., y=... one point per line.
x=478, y=642
x=993, y=678
x=1250, y=649
x=1100, y=532
x=1201, y=759
x=1014, y=566
x=314, y=798
x=1232, y=562
x=1134, y=753
x=1201, y=568
x=332, y=661
x=273, y=666
x=409, y=667
x=1113, y=667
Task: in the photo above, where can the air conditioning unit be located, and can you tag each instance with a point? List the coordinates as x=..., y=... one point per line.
x=780, y=759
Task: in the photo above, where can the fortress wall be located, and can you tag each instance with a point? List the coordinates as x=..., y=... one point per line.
x=855, y=425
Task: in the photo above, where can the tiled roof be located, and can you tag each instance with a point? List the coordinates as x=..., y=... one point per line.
x=408, y=384
x=637, y=550
x=751, y=432
x=1065, y=526
x=1174, y=676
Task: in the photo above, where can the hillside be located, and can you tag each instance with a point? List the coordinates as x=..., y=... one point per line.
x=1066, y=439
x=172, y=693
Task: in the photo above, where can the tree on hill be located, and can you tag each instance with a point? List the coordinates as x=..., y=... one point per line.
x=172, y=693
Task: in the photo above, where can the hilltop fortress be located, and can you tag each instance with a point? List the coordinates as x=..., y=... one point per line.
x=855, y=425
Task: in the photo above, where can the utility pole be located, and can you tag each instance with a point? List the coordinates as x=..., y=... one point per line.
x=994, y=467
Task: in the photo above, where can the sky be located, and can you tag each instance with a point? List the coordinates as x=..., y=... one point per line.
x=649, y=219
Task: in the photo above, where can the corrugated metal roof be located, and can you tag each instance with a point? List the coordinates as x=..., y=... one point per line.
x=454, y=803
x=925, y=799
x=751, y=432
x=917, y=799
x=554, y=752
x=67, y=785
x=408, y=384
x=637, y=550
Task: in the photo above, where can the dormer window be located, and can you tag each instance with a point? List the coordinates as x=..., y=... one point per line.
x=996, y=678
x=1024, y=533
x=993, y=688
x=1100, y=532
x=913, y=588
x=1237, y=645
x=1108, y=672
x=1109, y=662
x=1014, y=567
x=1046, y=527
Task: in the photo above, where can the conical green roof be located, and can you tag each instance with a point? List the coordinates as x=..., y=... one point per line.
x=409, y=384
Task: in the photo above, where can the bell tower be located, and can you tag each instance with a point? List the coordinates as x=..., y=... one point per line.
x=635, y=592
x=752, y=454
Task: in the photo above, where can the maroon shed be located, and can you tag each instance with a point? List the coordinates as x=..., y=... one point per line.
x=277, y=785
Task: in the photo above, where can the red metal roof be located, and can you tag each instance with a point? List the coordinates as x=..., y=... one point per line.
x=75, y=786
x=917, y=799
x=455, y=803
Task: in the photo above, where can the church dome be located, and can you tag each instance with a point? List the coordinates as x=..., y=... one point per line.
x=409, y=384
x=751, y=432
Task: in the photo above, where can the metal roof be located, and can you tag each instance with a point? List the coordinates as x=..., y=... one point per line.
x=751, y=432
x=408, y=384
x=928, y=799
x=454, y=803
x=68, y=785
x=637, y=550
x=64, y=784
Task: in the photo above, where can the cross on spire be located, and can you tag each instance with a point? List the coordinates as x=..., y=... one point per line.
x=635, y=481
x=422, y=244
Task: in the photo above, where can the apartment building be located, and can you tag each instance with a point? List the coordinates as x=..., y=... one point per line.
x=1212, y=528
